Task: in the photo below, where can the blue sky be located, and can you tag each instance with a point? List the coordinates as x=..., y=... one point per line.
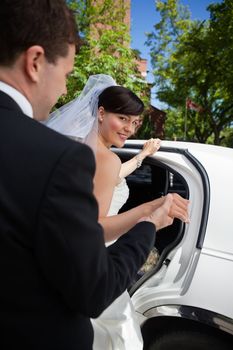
x=144, y=16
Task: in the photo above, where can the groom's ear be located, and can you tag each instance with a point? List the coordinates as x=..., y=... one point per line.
x=34, y=62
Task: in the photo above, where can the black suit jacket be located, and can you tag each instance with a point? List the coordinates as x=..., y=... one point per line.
x=55, y=271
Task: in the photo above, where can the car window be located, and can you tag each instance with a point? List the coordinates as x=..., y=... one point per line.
x=152, y=180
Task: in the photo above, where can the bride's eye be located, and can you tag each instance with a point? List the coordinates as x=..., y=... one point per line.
x=121, y=117
x=136, y=123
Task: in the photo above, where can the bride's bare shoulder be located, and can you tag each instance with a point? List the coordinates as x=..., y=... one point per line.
x=108, y=166
x=105, y=157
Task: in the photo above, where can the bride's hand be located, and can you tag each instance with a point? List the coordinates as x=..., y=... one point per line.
x=150, y=147
x=179, y=208
x=160, y=217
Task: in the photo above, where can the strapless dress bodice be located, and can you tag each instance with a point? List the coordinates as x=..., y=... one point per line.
x=120, y=196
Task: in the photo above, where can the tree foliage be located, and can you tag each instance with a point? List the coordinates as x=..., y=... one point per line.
x=105, y=49
x=194, y=59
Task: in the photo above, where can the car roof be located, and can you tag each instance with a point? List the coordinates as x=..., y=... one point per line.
x=207, y=155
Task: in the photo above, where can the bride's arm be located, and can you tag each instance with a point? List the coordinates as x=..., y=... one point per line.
x=150, y=147
x=115, y=226
x=106, y=177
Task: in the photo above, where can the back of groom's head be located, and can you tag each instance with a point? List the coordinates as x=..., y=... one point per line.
x=24, y=23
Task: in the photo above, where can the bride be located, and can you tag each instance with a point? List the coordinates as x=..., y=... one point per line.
x=105, y=115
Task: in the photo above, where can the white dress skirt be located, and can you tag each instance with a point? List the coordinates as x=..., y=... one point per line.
x=117, y=328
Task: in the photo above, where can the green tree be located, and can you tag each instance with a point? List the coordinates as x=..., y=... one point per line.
x=174, y=128
x=227, y=137
x=189, y=61
x=105, y=49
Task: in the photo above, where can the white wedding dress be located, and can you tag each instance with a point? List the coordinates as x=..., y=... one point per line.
x=117, y=328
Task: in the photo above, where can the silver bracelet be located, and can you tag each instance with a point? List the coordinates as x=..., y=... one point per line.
x=139, y=160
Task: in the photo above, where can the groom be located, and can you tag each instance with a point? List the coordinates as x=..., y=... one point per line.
x=55, y=270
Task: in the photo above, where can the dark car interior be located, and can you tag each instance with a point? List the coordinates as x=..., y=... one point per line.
x=153, y=180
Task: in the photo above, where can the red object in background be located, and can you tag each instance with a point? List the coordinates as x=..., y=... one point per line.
x=193, y=106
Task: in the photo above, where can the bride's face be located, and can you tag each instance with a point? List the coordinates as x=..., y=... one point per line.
x=115, y=129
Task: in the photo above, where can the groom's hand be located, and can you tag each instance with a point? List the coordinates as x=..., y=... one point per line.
x=160, y=217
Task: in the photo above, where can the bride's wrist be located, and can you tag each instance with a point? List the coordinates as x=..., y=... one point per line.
x=143, y=154
x=146, y=209
x=139, y=158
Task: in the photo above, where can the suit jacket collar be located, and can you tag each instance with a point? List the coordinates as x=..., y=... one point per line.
x=8, y=103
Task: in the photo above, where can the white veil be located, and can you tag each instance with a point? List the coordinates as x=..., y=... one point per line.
x=78, y=118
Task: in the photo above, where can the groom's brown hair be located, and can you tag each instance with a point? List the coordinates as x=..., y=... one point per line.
x=24, y=23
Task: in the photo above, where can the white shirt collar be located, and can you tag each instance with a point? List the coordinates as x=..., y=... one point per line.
x=20, y=99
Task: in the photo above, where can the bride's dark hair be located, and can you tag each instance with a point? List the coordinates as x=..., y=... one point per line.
x=118, y=99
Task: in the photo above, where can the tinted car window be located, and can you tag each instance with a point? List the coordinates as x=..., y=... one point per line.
x=153, y=180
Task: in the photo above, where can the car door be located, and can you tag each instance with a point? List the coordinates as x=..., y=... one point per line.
x=172, y=169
